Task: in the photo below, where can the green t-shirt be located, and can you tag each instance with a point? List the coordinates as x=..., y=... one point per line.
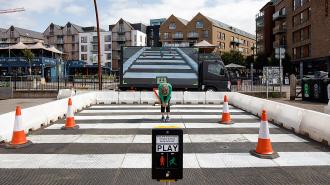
x=165, y=98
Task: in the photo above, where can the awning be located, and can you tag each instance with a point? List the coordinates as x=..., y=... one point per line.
x=19, y=45
x=54, y=50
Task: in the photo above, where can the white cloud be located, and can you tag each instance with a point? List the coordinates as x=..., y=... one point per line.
x=75, y=9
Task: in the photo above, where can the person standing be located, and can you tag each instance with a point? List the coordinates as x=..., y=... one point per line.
x=165, y=92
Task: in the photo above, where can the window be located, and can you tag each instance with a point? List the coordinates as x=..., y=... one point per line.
x=222, y=45
x=107, y=38
x=135, y=38
x=108, y=56
x=83, y=57
x=166, y=35
x=172, y=26
x=206, y=33
x=140, y=38
x=83, y=48
x=94, y=38
x=83, y=39
x=214, y=69
x=223, y=36
x=199, y=24
x=107, y=47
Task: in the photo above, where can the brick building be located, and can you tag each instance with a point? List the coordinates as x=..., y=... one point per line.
x=176, y=31
x=303, y=27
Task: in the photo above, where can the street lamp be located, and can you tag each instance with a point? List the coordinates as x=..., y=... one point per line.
x=98, y=46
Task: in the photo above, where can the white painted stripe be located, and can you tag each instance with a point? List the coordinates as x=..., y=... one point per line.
x=142, y=116
x=206, y=106
x=95, y=111
x=190, y=160
x=154, y=125
x=192, y=138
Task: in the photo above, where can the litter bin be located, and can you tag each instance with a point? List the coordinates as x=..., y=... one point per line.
x=306, y=90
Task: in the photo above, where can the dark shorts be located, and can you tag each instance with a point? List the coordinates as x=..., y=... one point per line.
x=168, y=109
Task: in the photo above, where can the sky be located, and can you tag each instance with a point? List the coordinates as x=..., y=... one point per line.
x=40, y=13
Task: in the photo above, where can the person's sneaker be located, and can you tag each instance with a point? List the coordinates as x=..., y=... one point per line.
x=168, y=119
x=163, y=119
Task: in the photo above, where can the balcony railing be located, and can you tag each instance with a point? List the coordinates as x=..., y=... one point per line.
x=236, y=42
x=193, y=35
x=279, y=44
x=177, y=36
x=121, y=39
x=279, y=30
x=279, y=15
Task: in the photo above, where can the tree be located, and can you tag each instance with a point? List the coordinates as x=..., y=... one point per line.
x=249, y=60
x=233, y=56
x=28, y=55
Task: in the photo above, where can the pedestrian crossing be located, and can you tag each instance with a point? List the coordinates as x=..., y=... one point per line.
x=117, y=137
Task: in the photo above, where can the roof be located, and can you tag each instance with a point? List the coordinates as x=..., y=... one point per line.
x=29, y=33
x=78, y=28
x=184, y=21
x=230, y=28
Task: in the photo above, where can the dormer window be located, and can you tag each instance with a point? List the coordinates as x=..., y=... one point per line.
x=172, y=26
x=199, y=24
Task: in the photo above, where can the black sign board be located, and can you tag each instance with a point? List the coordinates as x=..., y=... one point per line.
x=167, y=154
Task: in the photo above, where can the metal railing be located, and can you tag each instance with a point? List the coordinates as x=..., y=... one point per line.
x=76, y=82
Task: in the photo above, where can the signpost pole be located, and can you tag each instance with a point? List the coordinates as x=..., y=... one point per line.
x=267, y=81
x=251, y=77
x=281, y=72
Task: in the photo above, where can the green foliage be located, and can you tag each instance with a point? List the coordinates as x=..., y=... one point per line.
x=28, y=55
x=233, y=56
x=249, y=60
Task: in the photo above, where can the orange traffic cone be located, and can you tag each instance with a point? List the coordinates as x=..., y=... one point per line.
x=264, y=148
x=19, y=138
x=225, y=118
x=70, y=123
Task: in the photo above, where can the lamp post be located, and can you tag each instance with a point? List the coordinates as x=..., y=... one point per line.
x=98, y=47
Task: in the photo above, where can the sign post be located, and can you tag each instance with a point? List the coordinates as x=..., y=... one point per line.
x=280, y=54
x=167, y=154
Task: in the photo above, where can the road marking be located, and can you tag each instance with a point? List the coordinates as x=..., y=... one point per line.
x=191, y=160
x=191, y=138
x=146, y=117
x=153, y=125
x=95, y=111
x=206, y=106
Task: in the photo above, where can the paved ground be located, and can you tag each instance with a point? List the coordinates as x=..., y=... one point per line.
x=319, y=107
x=113, y=146
x=10, y=104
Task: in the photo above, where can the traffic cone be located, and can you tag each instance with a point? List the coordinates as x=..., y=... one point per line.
x=264, y=148
x=225, y=118
x=70, y=122
x=19, y=138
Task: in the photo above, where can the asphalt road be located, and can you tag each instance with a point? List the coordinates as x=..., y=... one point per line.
x=113, y=146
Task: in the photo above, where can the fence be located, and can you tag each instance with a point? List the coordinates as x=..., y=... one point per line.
x=77, y=82
x=257, y=86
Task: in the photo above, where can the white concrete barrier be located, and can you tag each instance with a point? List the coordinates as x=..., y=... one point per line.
x=133, y=97
x=327, y=108
x=193, y=97
x=148, y=97
x=107, y=97
x=177, y=97
x=214, y=97
x=316, y=125
x=40, y=115
x=65, y=93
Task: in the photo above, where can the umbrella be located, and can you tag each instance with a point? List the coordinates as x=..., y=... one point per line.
x=232, y=65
